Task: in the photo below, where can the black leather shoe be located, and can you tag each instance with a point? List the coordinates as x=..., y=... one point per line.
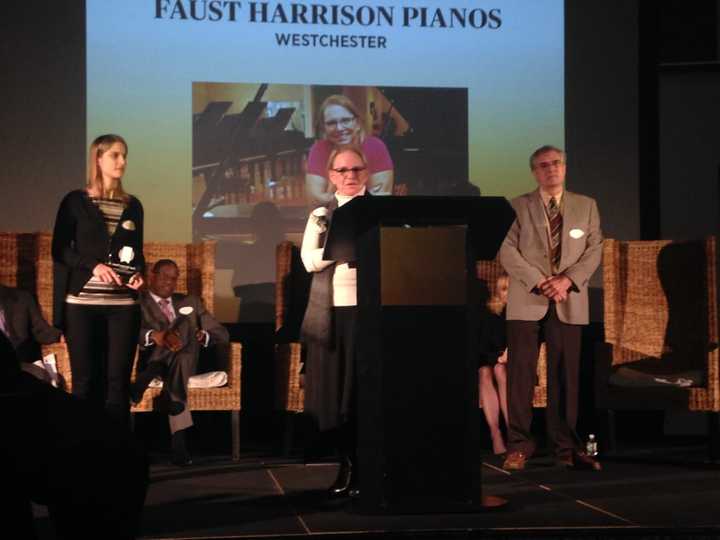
x=143, y=380
x=136, y=393
x=164, y=405
x=578, y=460
x=584, y=461
x=341, y=486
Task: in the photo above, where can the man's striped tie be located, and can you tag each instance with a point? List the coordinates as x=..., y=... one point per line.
x=556, y=222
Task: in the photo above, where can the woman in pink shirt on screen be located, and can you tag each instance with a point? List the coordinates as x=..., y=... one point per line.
x=340, y=123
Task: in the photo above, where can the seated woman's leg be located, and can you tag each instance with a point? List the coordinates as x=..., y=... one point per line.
x=491, y=407
x=501, y=381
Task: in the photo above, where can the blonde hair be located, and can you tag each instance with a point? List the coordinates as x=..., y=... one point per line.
x=496, y=304
x=346, y=103
x=354, y=148
x=94, y=180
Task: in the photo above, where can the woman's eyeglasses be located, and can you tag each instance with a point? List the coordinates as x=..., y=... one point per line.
x=345, y=122
x=345, y=171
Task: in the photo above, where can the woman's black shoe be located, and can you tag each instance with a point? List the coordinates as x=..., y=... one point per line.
x=341, y=486
x=354, y=486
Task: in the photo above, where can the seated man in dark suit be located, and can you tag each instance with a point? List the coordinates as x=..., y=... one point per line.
x=174, y=329
x=23, y=324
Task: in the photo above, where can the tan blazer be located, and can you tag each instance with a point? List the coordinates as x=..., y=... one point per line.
x=525, y=254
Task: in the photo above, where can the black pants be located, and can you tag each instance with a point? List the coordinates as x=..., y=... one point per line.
x=344, y=330
x=102, y=341
x=563, y=363
x=177, y=368
x=331, y=383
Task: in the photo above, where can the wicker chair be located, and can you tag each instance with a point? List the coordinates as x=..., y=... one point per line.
x=291, y=290
x=660, y=317
x=488, y=273
x=26, y=262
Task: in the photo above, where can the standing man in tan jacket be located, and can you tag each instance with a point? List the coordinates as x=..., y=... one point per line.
x=550, y=253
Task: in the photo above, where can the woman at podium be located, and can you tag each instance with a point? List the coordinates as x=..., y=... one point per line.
x=329, y=326
x=340, y=123
x=97, y=249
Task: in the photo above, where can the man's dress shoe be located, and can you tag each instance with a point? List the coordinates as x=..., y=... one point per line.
x=143, y=380
x=515, y=461
x=136, y=393
x=165, y=405
x=578, y=460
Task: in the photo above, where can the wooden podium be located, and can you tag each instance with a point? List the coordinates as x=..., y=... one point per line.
x=417, y=365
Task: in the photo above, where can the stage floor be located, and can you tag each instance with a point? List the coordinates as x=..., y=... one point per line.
x=635, y=495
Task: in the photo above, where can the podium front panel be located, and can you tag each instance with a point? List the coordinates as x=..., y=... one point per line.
x=422, y=266
x=417, y=378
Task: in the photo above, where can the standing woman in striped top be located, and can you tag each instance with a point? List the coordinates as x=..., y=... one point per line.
x=98, y=259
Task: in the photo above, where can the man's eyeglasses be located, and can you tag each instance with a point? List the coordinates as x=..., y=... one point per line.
x=345, y=122
x=347, y=171
x=547, y=164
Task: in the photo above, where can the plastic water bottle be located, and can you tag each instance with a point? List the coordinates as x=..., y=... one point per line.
x=591, y=447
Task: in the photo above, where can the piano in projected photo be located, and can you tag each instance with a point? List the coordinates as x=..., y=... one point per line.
x=242, y=159
x=257, y=155
x=426, y=132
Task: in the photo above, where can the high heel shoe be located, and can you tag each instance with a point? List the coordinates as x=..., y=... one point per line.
x=341, y=486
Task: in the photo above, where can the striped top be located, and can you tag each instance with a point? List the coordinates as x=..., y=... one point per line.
x=95, y=292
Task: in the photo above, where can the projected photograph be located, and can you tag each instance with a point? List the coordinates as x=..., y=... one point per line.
x=260, y=151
